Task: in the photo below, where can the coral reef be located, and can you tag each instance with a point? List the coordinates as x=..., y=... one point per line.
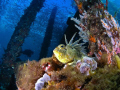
x=66, y=79
x=69, y=78
x=101, y=30
x=27, y=74
x=70, y=68
x=107, y=78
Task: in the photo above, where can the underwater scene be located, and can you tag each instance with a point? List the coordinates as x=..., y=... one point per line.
x=59, y=45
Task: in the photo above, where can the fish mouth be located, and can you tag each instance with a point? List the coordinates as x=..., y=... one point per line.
x=57, y=54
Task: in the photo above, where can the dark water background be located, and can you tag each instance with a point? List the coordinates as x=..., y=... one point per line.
x=52, y=16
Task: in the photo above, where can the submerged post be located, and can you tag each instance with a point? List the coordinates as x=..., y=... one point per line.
x=17, y=39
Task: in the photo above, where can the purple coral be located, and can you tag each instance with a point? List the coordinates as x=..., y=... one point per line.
x=118, y=50
x=85, y=68
x=86, y=65
x=40, y=82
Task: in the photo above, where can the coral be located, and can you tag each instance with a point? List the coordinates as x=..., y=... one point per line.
x=66, y=79
x=70, y=78
x=85, y=68
x=103, y=61
x=40, y=82
x=101, y=30
x=86, y=65
x=50, y=64
x=28, y=74
x=105, y=24
x=83, y=34
x=107, y=78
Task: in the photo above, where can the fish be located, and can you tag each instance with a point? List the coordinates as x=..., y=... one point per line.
x=28, y=52
x=71, y=52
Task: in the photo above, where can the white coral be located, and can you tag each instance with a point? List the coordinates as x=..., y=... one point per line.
x=85, y=15
x=105, y=25
x=116, y=25
x=40, y=82
x=76, y=20
x=83, y=34
x=109, y=24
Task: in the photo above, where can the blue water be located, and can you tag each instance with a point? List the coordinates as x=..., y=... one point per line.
x=12, y=10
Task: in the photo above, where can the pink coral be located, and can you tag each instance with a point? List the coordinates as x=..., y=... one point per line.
x=118, y=50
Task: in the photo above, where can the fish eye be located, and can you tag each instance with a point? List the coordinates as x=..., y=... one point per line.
x=62, y=46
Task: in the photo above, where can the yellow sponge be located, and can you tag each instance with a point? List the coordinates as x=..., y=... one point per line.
x=118, y=61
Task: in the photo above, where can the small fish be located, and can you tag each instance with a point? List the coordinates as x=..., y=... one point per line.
x=27, y=52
